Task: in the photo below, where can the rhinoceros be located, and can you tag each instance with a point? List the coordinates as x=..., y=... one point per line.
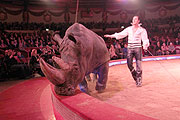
x=82, y=52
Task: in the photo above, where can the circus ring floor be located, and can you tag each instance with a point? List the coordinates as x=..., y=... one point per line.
x=158, y=98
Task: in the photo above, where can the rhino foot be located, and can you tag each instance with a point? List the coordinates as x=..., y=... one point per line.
x=100, y=87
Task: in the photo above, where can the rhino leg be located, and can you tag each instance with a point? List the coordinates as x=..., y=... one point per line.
x=84, y=86
x=88, y=78
x=94, y=76
x=102, y=72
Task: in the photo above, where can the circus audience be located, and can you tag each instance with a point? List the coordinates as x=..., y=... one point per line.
x=12, y=66
x=21, y=50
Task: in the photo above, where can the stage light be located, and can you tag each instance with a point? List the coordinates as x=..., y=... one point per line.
x=122, y=0
x=133, y=0
x=128, y=1
x=44, y=0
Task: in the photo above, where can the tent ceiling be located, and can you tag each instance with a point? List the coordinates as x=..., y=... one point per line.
x=82, y=3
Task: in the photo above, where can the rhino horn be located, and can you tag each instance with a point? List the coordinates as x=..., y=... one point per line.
x=61, y=63
x=54, y=75
x=57, y=38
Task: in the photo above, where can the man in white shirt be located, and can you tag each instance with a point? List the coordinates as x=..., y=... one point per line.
x=135, y=34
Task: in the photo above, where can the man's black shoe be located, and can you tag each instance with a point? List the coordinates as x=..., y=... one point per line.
x=139, y=82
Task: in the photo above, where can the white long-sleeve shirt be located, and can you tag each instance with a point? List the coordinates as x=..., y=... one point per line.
x=134, y=39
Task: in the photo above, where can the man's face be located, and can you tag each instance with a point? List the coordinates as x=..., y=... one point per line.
x=135, y=20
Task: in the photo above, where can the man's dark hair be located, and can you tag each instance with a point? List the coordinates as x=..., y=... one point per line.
x=138, y=17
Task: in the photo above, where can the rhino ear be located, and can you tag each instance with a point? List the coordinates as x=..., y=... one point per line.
x=71, y=37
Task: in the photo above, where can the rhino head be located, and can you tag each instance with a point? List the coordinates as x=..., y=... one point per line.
x=81, y=52
x=65, y=75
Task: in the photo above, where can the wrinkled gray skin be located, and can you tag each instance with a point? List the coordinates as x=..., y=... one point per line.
x=82, y=52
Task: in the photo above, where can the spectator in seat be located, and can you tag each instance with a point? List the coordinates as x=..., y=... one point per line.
x=158, y=50
x=164, y=49
x=112, y=52
x=125, y=51
x=171, y=48
x=2, y=44
x=34, y=62
x=20, y=57
x=168, y=41
x=177, y=42
x=118, y=50
x=7, y=42
x=21, y=46
x=36, y=43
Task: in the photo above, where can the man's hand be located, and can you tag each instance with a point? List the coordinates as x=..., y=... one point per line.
x=145, y=47
x=107, y=36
